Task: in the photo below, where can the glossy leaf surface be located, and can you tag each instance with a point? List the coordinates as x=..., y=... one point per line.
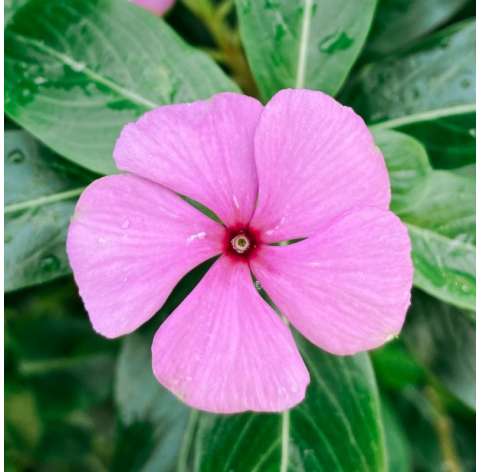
x=337, y=427
x=442, y=228
x=40, y=194
x=435, y=80
x=76, y=72
x=303, y=43
x=399, y=22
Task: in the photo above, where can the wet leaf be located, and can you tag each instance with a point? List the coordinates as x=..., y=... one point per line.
x=441, y=226
x=433, y=81
x=304, y=43
x=40, y=193
x=336, y=428
x=398, y=22
x=76, y=72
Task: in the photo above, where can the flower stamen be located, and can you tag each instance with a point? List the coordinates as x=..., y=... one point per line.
x=240, y=243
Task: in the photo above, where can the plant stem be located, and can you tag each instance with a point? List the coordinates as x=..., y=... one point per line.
x=444, y=430
x=226, y=38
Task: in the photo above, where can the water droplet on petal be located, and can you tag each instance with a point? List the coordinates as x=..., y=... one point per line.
x=101, y=241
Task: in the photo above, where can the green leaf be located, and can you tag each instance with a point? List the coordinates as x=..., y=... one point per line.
x=435, y=80
x=407, y=163
x=10, y=7
x=439, y=209
x=152, y=419
x=40, y=193
x=77, y=72
x=395, y=367
x=336, y=428
x=303, y=44
x=397, y=443
x=445, y=267
x=443, y=340
x=399, y=22
x=51, y=342
x=438, y=439
x=450, y=141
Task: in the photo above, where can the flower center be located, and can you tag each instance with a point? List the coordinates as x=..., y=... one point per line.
x=240, y=243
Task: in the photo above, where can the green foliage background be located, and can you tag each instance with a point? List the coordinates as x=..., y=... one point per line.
x=76, y=71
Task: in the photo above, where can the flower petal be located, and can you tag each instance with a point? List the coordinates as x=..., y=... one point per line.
x=157, y=7
x=315, y=159
x=130, y=241
x=203, y=150
x=347, y=289
x=224, y=349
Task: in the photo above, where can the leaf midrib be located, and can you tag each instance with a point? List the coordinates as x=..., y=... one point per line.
x=82, y=68
x=425, y=116
x=303, y=45
x=41, y=201
x=459, y=244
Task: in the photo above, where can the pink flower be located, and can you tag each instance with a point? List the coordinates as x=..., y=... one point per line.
x=157, y=7
x=303, y=166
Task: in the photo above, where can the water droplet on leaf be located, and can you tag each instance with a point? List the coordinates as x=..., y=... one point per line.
x=333, y=42
x=50, y=263
x=271, y=4
x=279, y=32
x=246, y=6
x=39, y=80
x=77, y=66
x=16, y=156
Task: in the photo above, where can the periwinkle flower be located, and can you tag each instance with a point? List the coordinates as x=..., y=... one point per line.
x=302, y=167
